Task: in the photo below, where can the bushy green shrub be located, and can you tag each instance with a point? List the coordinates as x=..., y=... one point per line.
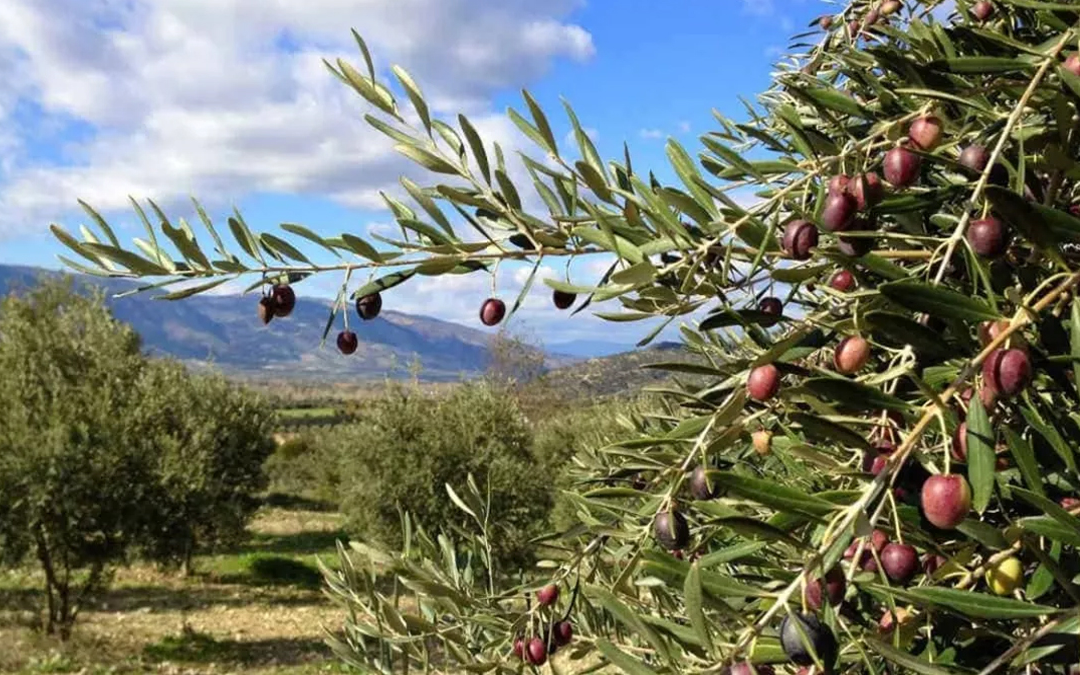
x=306, y=465
x=406, y=446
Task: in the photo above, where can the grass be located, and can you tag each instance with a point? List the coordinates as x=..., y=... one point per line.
x=258, y=609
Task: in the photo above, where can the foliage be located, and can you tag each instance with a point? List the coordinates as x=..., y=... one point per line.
x=103, y=452
x=307, y=465
x=863, y=100
x=406, y=447
x=211, y=439
x=73, y=460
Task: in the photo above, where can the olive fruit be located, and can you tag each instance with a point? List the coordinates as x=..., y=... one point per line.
x=564, y=633
x=902, y=167
x=562, y=299
x=1072, y=64
x=982, y=10
x=925, y=132
x=1004, y=576
x=988, y=237
x=974, y=158
x=701, y=486
x=802, y=635
x=671, y=530
x=851, y=355
x=834, y=585
x=762, y=441
x=492, y=311
x=867, y=190
x=537, y=652
x=799, y=237
x=946, y=500
x=548, y=595
x=771, y=306
x=1007, y=371
x=842, y=281
x=347, y=342
x=266, y=309
x=368, y=306
x=284, y=300
x=763, y=383
x=838, y=212
x=900, y=562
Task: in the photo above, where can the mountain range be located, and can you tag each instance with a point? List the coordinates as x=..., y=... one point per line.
x=223, y=331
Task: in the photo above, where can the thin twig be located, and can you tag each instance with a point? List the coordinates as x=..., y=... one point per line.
x=984, y=178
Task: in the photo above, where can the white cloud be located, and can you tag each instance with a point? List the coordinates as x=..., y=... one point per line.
x=198, y=96
x=571, y=138
x=383, y=229
x=758, y=7
x=654, y=134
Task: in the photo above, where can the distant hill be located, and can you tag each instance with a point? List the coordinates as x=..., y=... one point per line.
x=617, y=373
x=589, y=348
x=223, y=331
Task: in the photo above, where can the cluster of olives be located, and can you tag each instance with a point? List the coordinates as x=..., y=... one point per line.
x=279, y=302
x=536, y=649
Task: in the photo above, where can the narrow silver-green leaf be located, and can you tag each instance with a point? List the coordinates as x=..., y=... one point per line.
x=904, y=659
x=361, y=247
x=383, y=283
x=1024, y=456
x=283, y=247
x=622, y=660
x=136, y=264
x=967, y=603
x=73, y=243
x=629, y=618
x=187, y=246
x=413, y=92
x=427, y=159
x=301, y=231
x=694, y=606
x=1074, y=338
x=936, y=301
x=542, y=124
x=1049, y=508
x=100, y=223
x=772, y=494
x=244, y=237
x=980, y=457
x=428, y=204
x=192, y=290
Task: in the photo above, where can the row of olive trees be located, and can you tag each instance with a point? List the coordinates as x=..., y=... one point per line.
x=105, y=454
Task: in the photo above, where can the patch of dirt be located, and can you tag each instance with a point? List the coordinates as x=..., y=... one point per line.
x=154, y=621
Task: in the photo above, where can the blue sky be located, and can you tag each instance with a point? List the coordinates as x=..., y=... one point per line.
x=229, y=101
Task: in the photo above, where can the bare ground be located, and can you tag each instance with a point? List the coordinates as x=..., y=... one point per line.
x=256, y=610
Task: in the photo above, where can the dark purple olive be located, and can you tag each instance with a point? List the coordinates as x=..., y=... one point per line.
x=799, y=238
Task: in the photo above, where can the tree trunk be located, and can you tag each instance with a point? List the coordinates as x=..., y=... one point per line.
x=45, y=559
x=189, y=549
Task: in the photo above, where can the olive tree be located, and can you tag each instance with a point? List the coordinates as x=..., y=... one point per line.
x=105, y=453
x=211, y=440
x=881, y=471
x=73, y=463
